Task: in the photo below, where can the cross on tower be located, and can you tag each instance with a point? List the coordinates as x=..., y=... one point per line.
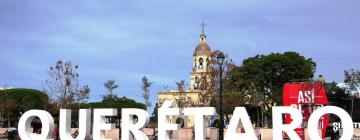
x=203, y=27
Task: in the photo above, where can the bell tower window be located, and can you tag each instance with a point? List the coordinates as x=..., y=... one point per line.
x=195, y=63
x=207, y=63
x=197, y=83
x=201, y=61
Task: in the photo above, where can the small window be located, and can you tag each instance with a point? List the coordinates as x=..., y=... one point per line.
x=207, y=63
x=201, y=61
x=197, y=83
x=195, y=64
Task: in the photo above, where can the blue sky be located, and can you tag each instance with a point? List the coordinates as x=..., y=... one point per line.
x=125, y=40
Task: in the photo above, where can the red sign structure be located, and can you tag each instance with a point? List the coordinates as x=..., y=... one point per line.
x=307, y=98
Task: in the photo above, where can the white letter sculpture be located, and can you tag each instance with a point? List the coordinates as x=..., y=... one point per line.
x=84, y=124
x=240, y=114
x=199, y=119
x=99, y=123
x=163, y=119
x=279, y=127
x=127, y=116
x=47, y=122
x=346, y=120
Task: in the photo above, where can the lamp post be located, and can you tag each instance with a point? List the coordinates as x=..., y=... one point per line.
x=220, y=61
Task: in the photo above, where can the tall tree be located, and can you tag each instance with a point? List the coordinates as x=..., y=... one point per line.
x=84, y=94
x=110, y=85
x=182, y=99
x=337, y=96
x=8, y=106
x=146, y=84
x=155, y=112
x=210, y=85
x=352, y=81
x=14, y=102
x=64, y=82
x=261, y=78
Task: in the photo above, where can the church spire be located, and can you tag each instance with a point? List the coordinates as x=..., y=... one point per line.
x=202, y=28
x=202, y=36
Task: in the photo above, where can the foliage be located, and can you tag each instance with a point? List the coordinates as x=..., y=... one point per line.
x=116, y=103
x=210, y=87
x=155, y=113
x=119, y=103
x=15, y=101
x=352, y=81
x=337, y=96
x=110, y=86
x=261, y=78
x=64, y=83
x=146, y=91
x=83, y=95
x=232, y=100
x=183, y=100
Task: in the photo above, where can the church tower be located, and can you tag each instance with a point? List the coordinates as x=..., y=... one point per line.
x=201, y=64
x=200, y=79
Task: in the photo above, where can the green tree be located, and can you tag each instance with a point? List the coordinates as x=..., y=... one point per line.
x=337, y=96
x=232, y=100
x=146, y=84
x=14, y=102
x=155, y=112
x=8, y=107
x=352, y=81
x=261, y=78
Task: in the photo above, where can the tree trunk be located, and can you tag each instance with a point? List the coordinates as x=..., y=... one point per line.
x=262, y=118
x=352, y=107
x=8, y=118
x=258, y=116
x=111, y=99
x=63, y=100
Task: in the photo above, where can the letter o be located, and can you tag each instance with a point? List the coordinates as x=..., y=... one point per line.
x=47, y=122
x=348, y=129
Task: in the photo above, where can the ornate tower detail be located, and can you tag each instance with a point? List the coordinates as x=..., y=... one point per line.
x=202, y=57
x=200, y=81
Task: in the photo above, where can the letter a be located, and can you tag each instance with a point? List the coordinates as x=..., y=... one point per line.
x=240, y=114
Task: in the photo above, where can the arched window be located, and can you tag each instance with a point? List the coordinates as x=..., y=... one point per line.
x=195, y=64
x=197, y=82
x=201, y=61
x=207, y=63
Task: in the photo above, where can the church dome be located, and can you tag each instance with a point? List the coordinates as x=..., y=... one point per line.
x=202, y=48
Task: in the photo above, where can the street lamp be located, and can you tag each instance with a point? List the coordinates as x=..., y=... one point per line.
x=220, y=61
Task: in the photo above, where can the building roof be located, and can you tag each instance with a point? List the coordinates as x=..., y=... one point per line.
x=202, y=48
